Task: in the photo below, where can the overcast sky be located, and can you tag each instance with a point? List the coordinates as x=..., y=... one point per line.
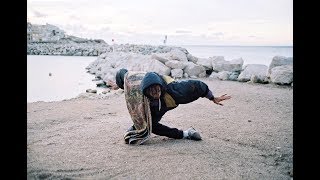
x=185, y=22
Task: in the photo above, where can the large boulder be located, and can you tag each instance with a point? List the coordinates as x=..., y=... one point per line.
x=174, y=64
x=214, y=75
x=107, y=68
x=194, y=69
x=234, y=76
x=219, y=64
x=177, y=73
x=257, y=70
x=205, y=62
x=192, y=58
x=177, y=54
x=160, y=57
x=282, y=75
x=224, y=75
x=158, y=67
x=279, y=61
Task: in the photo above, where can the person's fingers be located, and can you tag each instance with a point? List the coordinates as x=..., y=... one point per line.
x=227, y=97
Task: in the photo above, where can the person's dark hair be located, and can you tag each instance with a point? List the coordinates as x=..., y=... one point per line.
x=120, y=77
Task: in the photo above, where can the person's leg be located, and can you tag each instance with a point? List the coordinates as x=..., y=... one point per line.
x=162, y=130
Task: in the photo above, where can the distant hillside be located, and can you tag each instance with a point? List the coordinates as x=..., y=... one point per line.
x=51, y=40
x=51, y=33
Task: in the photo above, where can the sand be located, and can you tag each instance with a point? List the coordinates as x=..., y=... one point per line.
x=250, y=137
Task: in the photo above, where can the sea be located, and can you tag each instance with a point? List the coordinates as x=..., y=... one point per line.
x=56, y=78
x=249, y=54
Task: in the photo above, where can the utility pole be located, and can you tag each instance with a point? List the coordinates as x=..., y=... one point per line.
x=112, y=45
x=165, y=40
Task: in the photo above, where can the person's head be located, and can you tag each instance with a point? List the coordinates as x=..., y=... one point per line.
x=120, y=77
x=154, y=91
x=152, y=85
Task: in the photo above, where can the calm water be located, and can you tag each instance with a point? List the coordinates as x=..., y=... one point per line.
x=69, y=77
x=249, y=54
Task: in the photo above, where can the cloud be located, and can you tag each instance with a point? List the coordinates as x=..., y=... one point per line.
x=74, y=17
x=233, y=38
x=38, y=14
x=212, y=21
x=218, y=34
x=183, y=32
x=105, y=29
x=259, y=21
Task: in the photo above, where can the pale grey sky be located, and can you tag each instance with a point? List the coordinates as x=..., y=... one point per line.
x=201, y=22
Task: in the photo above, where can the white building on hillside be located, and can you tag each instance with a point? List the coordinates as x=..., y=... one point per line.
x=43, y=33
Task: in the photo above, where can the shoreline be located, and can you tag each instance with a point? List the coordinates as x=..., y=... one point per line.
x=100, y=95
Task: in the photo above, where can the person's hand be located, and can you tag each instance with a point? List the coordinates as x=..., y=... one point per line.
x=113, y=85
x=217, y=100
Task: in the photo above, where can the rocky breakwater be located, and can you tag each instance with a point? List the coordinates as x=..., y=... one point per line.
x=84, y=47
x=68, y=47
x=179, y=63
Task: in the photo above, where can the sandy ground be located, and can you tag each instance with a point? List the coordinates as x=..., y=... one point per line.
x=250, y=137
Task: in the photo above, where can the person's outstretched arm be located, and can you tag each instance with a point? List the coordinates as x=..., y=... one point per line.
x=188, y=91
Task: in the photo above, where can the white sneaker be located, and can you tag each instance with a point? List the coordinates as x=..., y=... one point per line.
x=193, y=134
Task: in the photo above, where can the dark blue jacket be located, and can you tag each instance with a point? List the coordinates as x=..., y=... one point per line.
x=182, y=92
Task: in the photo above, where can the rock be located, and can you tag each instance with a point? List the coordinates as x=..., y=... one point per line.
x=177, y=73
x=258, y=70
x=96, y=79
x=177, y=54
x=282, y=75
x=223, y=75
x=100, y=83
x=174, y=64
x=234, y=76
x=254, y=78
x=279, y=61
x=205, y=62
x=219, y=64
x=193, y=69
x=158, y=67
x=106, y=91
x=202, y=75
x=159, y=57
x=192, y=58
x=91, y=91
x=214, y=75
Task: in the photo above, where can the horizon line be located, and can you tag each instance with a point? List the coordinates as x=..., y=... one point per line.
x=239, y=45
